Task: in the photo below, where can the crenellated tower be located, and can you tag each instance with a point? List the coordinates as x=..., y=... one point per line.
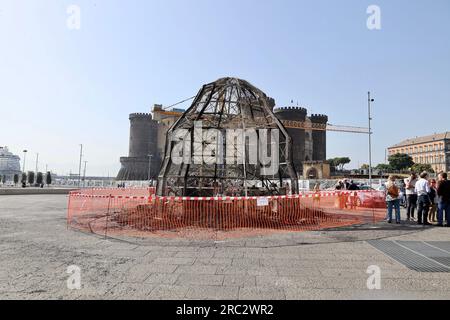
x=319, y=136
x=142, y=144
x=297, y=134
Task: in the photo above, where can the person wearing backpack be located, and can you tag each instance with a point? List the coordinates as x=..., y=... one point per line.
x=392, y=199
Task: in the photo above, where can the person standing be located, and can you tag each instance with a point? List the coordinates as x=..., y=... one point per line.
x=443, y=192
x=392, y=199
x=422, y=189
x=353, y=194
x=317, y=187
x=433, y=200
x=411, y=196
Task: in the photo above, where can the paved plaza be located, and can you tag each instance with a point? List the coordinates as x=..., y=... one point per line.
x=36, y=248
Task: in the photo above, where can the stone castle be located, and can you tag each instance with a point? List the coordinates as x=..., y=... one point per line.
x=148, y=137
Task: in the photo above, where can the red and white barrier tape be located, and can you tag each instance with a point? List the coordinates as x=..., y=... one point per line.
x=226, y=198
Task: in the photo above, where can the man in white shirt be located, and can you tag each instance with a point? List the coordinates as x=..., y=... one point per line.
x=411, y=196
x=422, y=189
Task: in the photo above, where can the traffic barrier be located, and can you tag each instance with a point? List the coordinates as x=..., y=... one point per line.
x=139, y=212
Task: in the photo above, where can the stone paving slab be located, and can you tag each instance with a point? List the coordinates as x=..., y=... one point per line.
x=213, y=292
x=36, y=248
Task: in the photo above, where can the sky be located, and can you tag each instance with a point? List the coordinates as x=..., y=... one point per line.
x=61, y=87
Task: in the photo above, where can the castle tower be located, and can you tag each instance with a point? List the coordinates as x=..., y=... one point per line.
x=297, y=134
x=319, y=137
x=143, y=142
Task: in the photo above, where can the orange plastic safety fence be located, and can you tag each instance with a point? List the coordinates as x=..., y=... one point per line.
x=139, y=212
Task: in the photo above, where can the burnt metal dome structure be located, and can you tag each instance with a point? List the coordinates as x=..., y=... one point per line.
x=217, y=112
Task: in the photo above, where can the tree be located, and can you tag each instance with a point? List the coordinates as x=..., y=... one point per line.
x=338, y=163
x=418, y=167
x=16, y=179
x=39, y=178
x=383, y=167
x=365, y=166
x=341, y=162
x=48, y=178
x=400, y=161
x=332, y=164
x=30, y=178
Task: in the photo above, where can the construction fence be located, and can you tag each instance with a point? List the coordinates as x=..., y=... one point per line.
x=139, y=212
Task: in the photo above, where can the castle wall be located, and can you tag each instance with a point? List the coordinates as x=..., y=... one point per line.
x=308, y=142
x=148, y=136
x=297, y=135
x=143, y=142
x=319, y=137
x=143, y=132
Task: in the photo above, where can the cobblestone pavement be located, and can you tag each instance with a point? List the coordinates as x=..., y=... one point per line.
x=36, y=249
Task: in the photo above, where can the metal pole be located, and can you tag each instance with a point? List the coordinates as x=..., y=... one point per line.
x=107, y=215
x=84, y=174
x=37, y=159
x=369, y=100
x=149, y=168
x=79, y=167
x=24, y=158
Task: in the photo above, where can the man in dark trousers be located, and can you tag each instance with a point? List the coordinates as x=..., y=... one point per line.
x=422, y=189
x=443, y=192
x=411, y=196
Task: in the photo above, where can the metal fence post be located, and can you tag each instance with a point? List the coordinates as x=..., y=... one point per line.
x=107, y=215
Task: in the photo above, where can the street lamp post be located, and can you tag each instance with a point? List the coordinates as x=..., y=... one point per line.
x=150, y=156
x=369, y=100
x=24, y=158
x=37, y=160
x=84, y=174
x=79, y=166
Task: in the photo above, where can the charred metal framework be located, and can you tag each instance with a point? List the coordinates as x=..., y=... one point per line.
x=227, y=103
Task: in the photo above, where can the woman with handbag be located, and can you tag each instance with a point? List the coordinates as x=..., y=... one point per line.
x=392, y=199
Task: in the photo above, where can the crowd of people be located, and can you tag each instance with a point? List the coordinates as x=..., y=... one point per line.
x=346, y=184
x=431, y=198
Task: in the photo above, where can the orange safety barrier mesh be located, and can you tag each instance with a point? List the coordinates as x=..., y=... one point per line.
x=139, y=212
